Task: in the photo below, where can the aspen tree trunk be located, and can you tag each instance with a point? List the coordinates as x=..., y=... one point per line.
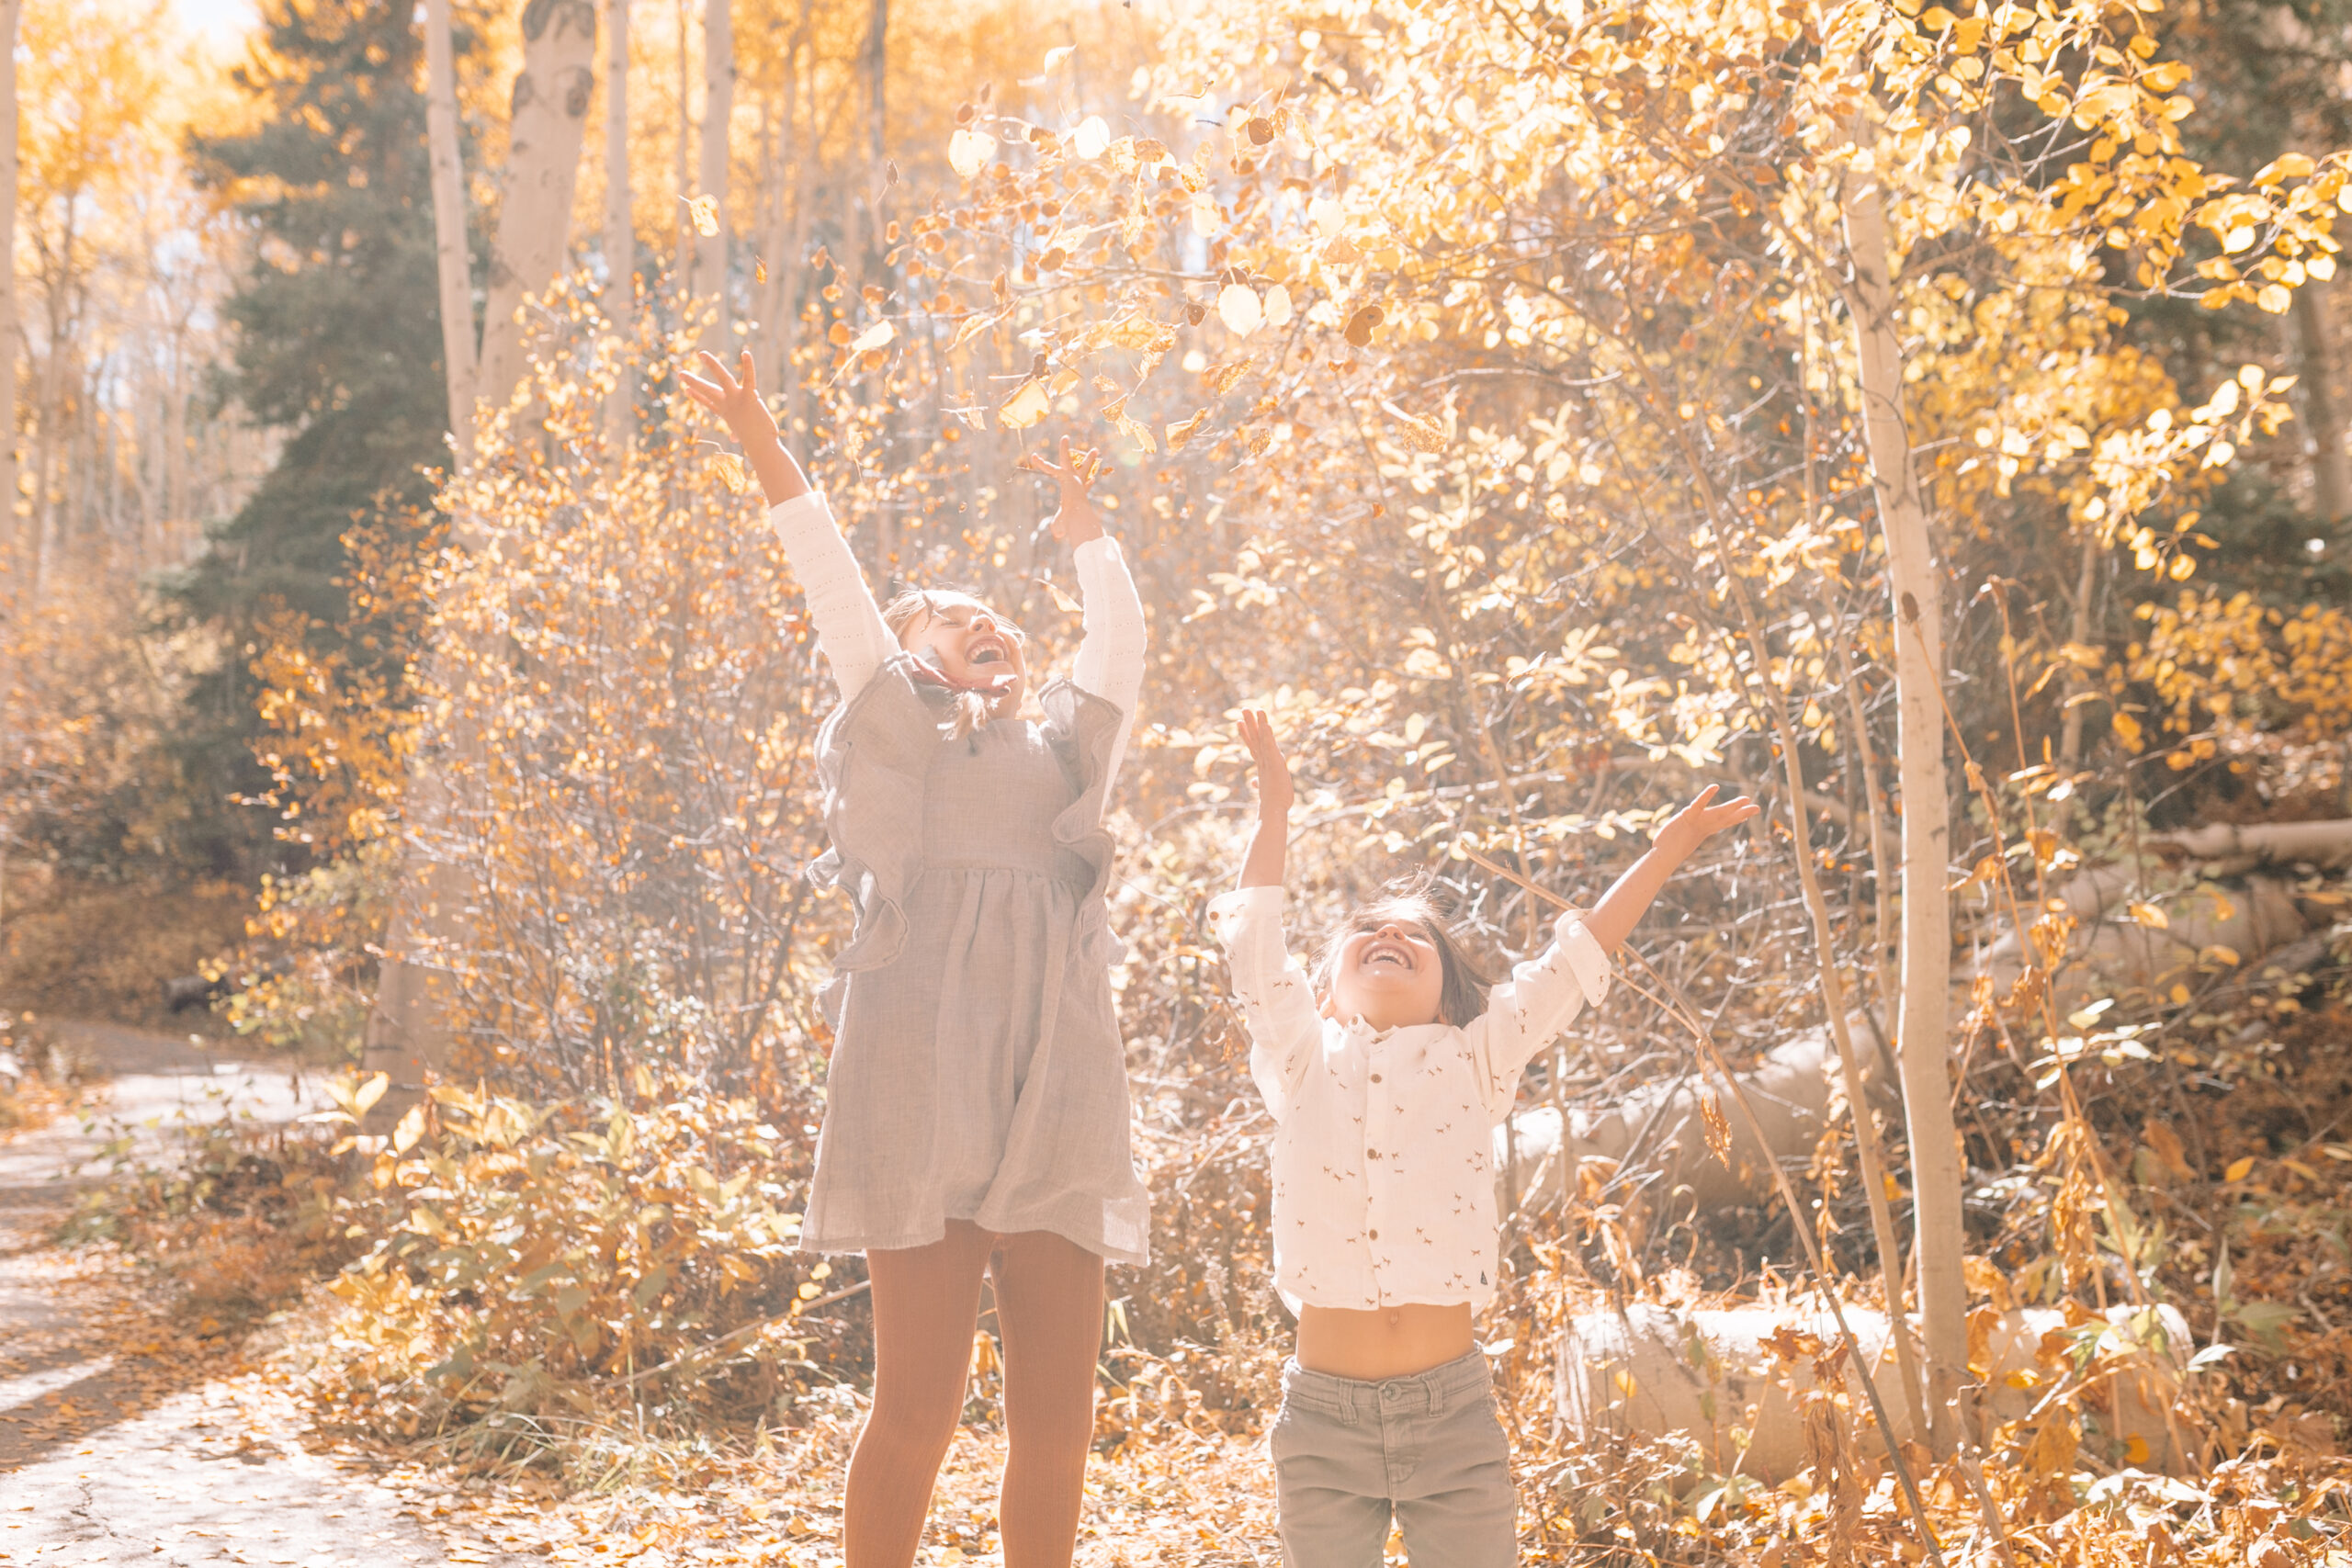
x=412, y=1030
x=551, y=123
x=717, y=115
x=8, y=13
x=450, y=256
x=1922, y=1046
x=621, y=230
x=2323, y=409
x=877, y=63
x=786, y=234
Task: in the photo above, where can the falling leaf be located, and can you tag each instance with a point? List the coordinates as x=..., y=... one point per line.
x=1420, y=435
x=758, y=270
x=874, y=337
x=1278, y=306
x=2149, y=914
x=1026, y=407
x=1182, y=431
x=2239, y=1169
x=1360, y=325
x=704, y=210
x=1238, y=308
x=730, y=472
x=1058, y=53
x=1062, y=600
x=1326, y=215
x=1092, y=136
x=967, y=151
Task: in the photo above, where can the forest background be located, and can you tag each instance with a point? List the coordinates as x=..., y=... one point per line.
x=1930, y=420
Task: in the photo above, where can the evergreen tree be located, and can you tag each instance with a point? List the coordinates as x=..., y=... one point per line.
x=338, y=344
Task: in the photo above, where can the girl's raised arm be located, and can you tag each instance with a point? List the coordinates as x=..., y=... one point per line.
x=849, y=624
x=1110, y=654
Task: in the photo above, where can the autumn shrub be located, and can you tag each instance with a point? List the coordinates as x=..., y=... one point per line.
x=537, y=1268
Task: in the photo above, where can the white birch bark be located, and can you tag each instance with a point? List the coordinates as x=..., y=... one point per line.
x=450, y=255
x=1922, y=1046
x=549, y=124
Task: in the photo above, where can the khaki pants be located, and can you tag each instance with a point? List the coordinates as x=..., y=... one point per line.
x=1425, y=1451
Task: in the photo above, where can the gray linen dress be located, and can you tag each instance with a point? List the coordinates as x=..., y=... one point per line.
x=978, y=1072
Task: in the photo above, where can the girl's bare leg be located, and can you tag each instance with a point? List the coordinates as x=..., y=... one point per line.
x=926, y=1306
x=1049, y=1309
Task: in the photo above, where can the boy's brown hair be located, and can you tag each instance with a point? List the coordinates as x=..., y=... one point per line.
x=1464, y=995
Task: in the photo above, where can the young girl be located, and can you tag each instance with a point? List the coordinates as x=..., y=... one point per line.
x=976, y=1105
x=1385, y=1097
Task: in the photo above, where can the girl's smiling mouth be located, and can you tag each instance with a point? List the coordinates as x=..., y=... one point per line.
x=1394, y=955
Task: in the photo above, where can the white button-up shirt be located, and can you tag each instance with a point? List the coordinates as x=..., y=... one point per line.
x=1383, y=1189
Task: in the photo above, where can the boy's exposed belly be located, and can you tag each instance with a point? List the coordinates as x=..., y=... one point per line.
x=1384, y=1342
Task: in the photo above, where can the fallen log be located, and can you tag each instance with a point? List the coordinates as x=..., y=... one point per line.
x=1649, y=1370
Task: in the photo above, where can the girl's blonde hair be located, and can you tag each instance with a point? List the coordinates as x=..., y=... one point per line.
x=1464, y=995
x=971, y=709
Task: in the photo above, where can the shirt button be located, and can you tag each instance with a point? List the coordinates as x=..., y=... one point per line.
x=1375, y=1077
x=1374, y=1154
x=1374, y=1235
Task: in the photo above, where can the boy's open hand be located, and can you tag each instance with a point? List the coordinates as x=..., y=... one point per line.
x=1075, y=522
x=734, y=399
x=1701, y=819
x=1274, y=792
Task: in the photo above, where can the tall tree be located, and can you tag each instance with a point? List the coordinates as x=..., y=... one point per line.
x=620, y=229
x=717, y=114
x=8, y=275
x=338, y=335
x=551, y=123
x=452, y=256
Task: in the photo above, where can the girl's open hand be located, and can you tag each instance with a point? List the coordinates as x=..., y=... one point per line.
x=1075, y=522
x=1701, y=820
x=1274, y=792
x=734, y=399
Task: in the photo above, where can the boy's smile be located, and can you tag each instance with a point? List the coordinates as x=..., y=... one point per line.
x=1390, y=975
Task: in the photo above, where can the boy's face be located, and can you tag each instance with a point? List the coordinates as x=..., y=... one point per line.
x=1389, y=975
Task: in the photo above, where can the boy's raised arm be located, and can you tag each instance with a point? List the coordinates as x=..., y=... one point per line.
x=1630, y=896
x=1269, y=845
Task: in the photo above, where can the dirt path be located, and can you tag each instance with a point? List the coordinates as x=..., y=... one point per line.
x=112, y=1450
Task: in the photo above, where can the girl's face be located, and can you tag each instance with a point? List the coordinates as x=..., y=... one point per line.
x=1390, y=974
x=964, y=640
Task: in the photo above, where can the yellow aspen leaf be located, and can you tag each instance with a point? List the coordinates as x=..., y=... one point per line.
x=1278, y=307
x=2274, y=298
x=1206, y=220
x=2127, y=730
x=410, y=1129
x=1182, y=431
x=704, y=210
x=967, y=151
x=758, y=270
x=1092, y=136
x=730, y=472
x=874, y=337
x=2239, y=1169
x=1239, y=308
x=1058, y=53
x=1062, y=600
x=1026, y=407
x=2220, y=954
x=2150, y=916
x=1327, y=216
